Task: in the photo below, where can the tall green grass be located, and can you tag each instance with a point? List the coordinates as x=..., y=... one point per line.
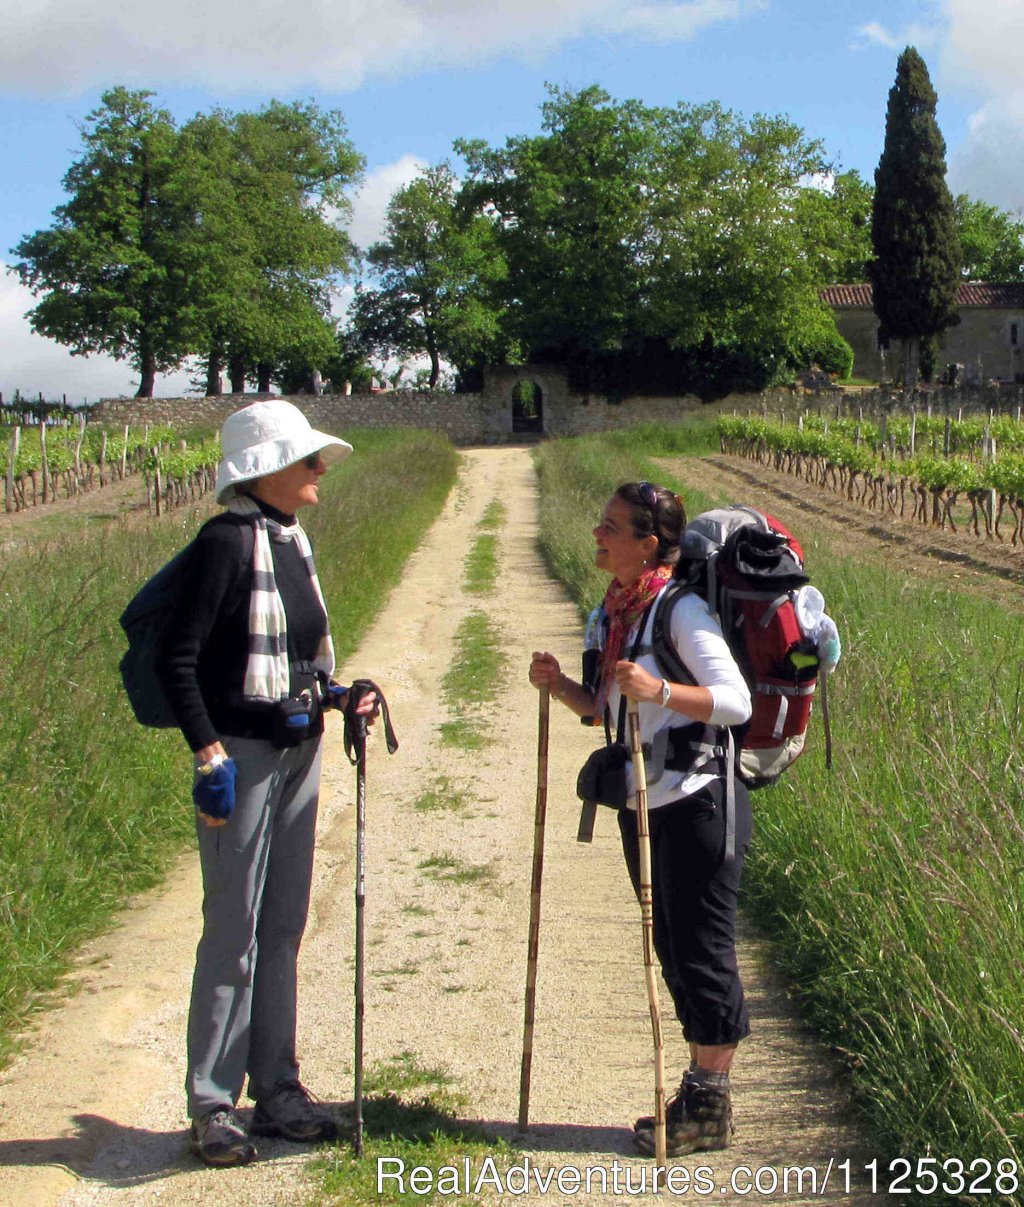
x=892, y=885
x=578, y=476
x=92, y=805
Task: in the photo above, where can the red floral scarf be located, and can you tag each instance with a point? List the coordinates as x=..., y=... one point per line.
x=624, y=606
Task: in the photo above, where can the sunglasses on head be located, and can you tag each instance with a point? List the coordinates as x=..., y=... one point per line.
x=648, y=493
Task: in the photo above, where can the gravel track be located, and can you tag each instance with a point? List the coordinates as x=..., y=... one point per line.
x=92, y=1113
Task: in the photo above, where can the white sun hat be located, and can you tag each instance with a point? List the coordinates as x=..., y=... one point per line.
x=267, y=436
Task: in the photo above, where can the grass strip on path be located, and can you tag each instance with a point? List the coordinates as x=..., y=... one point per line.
x=479, y=664
x=92, y=805
x=482, y=561
x=411, y=1122
x=892, y=886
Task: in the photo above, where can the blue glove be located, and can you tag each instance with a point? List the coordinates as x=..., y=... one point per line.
x=214, y=794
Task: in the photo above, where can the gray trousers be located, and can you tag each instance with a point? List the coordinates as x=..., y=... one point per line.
x=256, y=880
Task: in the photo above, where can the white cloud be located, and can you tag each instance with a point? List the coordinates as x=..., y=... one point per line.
x=33, y=364
x=983, y=47
x=676, y=22
x=989, y=165
x=874, y=33
x=982, y=53
x=54, y=45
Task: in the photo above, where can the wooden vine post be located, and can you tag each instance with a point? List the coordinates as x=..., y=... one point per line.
x=43, y=460
x=12, y=457
x=157, y=481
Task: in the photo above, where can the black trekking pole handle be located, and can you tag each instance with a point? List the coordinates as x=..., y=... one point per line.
x=356, y=724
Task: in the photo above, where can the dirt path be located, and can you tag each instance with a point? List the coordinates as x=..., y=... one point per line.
x=92, y=1113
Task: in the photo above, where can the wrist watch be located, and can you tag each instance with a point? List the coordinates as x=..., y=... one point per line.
x=208, y=768
x=666, y=693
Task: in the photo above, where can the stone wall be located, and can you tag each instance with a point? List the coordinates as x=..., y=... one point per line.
x=484, y=418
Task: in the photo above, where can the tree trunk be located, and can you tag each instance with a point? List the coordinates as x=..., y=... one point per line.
x=263, y=372
x=147, y=366
x=911, y=359
x=236, y=371
x=215, y=373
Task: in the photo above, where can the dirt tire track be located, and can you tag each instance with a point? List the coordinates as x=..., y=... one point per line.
x=92, y=1112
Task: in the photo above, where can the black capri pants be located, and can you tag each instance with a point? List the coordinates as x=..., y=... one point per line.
x=695, y=896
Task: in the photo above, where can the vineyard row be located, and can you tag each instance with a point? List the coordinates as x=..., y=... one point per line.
x=40, y=464
x=875, y=469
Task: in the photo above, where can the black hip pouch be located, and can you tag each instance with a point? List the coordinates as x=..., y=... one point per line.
x=295, y=719
x=602, y=777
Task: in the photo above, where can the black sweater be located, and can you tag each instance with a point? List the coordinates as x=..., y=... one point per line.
x=202, y=667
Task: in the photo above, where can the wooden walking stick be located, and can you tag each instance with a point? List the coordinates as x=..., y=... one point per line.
x=643, y=832
x=539, y=818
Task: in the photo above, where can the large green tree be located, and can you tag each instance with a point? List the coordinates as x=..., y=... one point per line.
x=991, y=241
x=657, y=248
x=571, y=207
x=916, y=265
x=436, y=275
x=270, y=196
x=115, y=269
x=836, y=221
x=222, y=238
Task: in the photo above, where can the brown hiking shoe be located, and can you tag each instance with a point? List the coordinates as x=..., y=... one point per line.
x=698, y=1119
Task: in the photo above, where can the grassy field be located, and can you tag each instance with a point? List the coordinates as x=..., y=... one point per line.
x=892, y=886
x=92, y=806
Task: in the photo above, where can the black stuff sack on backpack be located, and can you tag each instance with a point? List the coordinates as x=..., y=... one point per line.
x=145, y=622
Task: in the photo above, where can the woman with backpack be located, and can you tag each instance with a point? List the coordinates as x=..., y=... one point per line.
x=247, y=671
x=695, y=870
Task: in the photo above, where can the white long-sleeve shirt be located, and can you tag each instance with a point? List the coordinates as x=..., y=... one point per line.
x=698, y=638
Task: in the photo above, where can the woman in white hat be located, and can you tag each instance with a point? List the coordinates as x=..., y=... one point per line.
x=246, y=670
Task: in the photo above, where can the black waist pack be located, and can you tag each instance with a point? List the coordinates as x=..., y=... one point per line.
x=296, y=719
x=602, y=777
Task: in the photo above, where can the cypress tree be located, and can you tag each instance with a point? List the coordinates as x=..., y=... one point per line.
x=916, y=265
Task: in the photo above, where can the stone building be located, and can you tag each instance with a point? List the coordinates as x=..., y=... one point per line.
x=988, y=342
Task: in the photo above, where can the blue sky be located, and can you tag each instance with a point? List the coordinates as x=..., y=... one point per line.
x=413, y=75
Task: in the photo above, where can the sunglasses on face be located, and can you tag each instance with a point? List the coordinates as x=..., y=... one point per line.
x=312, y=461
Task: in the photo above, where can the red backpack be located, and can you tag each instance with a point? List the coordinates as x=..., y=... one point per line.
x=749, y=567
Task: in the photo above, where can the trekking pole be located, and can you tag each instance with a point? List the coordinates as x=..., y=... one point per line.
x=355, y=743
x=539, y=818
x=826, y=721
x=360, y=747
x=643, y=832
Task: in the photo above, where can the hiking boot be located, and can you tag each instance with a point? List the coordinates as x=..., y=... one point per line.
x=293, y=1112
x=698, y=1119
x=219, y=1139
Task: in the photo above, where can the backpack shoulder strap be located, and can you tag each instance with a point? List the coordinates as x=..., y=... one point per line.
x=663, y=647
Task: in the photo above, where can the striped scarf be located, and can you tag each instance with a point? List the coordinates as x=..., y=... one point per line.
x=267, y=672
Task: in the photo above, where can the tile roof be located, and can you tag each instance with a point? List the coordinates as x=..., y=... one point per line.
x=846, y=295
x=970, y=293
